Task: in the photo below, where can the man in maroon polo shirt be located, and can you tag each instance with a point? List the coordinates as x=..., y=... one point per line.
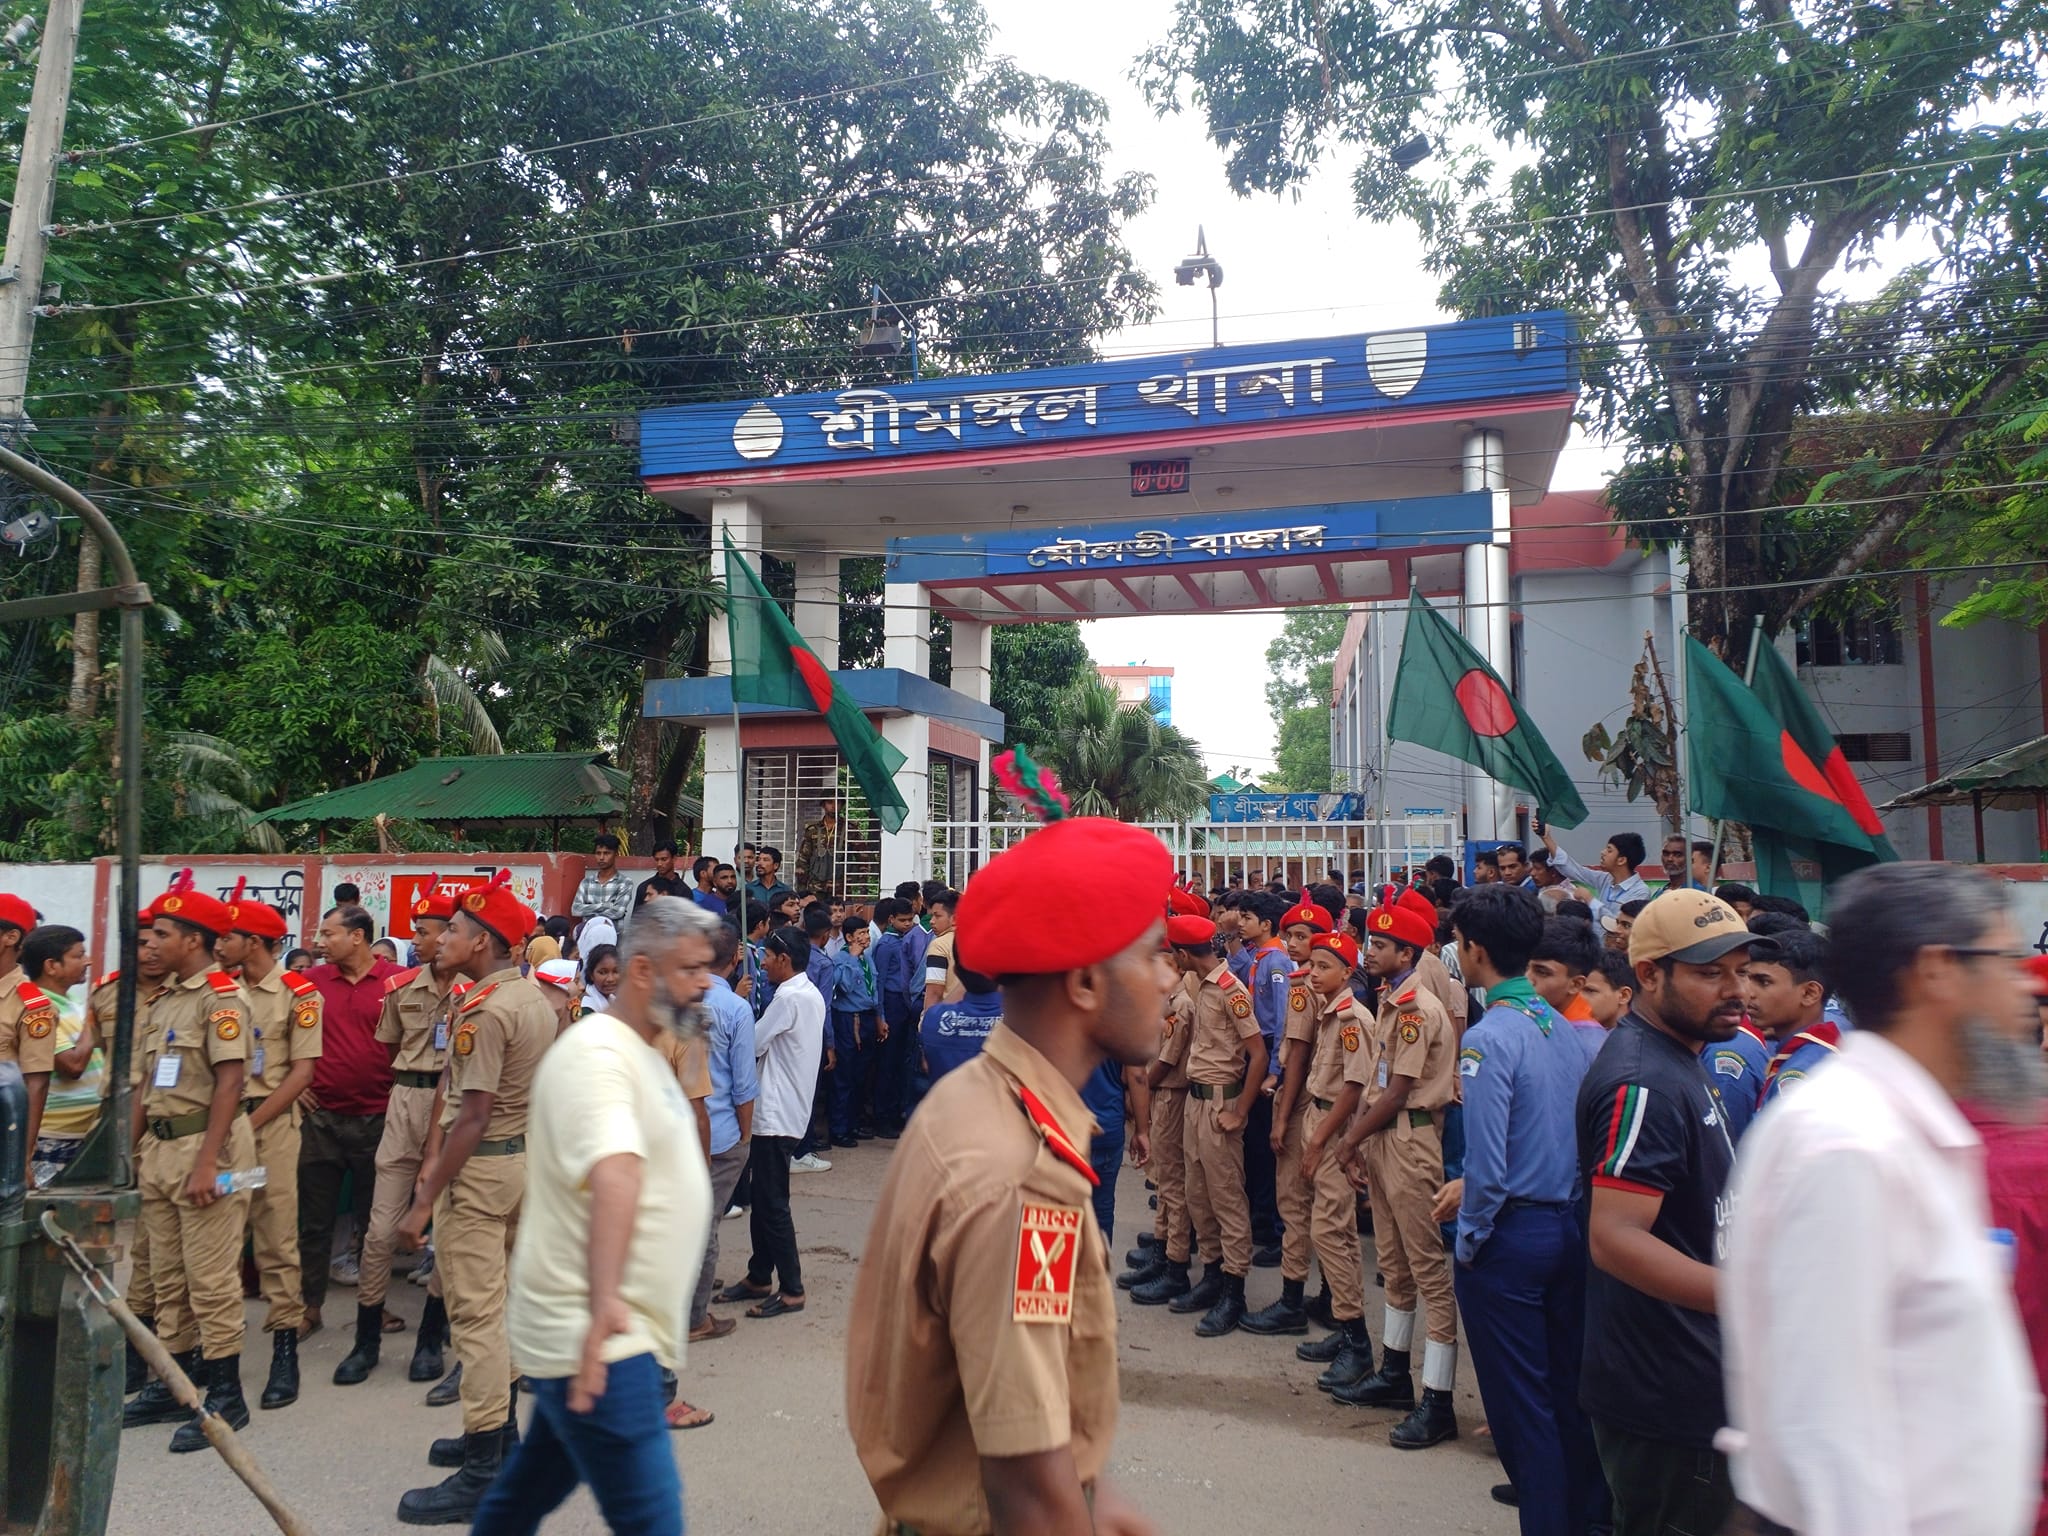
x=351, y=1086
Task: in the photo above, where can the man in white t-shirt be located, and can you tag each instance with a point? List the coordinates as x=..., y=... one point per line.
x=618, y=1204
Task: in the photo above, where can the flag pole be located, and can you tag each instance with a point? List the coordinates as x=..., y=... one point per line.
x=739, y=757
x=1756, y=638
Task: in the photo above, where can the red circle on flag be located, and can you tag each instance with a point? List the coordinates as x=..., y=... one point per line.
x=816, y=679
x=1488, y=709
x=1800, y=770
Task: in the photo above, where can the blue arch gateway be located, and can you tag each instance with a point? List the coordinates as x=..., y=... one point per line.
x=1330, y=470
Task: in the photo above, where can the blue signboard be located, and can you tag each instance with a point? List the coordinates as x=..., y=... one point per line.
x=1280, y=382
x=1287, y=807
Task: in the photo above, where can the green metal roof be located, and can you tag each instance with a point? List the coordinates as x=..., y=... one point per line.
x=2009, y=780
x=514, y=786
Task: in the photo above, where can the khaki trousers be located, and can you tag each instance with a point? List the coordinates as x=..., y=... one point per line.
x=195, y=1252
x=1216, y=1198
x=1404, y=1165
x=1333, y=1223
x=474, y=1222
x=400, y=1151
x=1170, y=1170
x=1294, y=1198
x=274, y=1223
x=141, y=1292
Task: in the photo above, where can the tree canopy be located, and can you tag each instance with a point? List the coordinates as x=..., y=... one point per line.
x=1303, y=659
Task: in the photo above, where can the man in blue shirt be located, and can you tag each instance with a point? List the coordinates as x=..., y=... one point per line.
x=952, y=1034
x=856, y=1036
x=893, y=968
x=1521, y=1262
x=729, y=1034
x=1272, y=988
x=1615, y=881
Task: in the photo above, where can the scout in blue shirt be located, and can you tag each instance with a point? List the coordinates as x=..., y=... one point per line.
x=856, y=1036
x=1272, y=989
x=1790, y=1000
x=1521, y=1271
x=952, y=1034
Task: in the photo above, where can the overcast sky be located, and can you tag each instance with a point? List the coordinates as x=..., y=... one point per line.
x=1297, y=267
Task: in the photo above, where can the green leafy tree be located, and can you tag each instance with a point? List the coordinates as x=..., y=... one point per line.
x=1031, y=668
x=1302, y=660
x=1117, y=759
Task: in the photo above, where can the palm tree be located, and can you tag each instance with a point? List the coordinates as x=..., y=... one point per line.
x=1117, y=759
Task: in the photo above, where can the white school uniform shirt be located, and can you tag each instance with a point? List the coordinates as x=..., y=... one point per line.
x=789, y=1042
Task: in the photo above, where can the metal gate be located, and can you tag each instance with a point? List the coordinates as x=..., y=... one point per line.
x=785, y=791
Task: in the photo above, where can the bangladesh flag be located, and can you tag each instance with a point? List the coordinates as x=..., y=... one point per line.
x=772, y=665
x=1447, y=698
x=1775, y=684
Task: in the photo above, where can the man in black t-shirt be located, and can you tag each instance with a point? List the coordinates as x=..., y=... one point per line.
x=1656, y=1152
x=664, y=881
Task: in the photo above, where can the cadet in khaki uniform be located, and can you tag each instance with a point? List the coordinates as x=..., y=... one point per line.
x=193, y=1073
x=981, y=1352
x=284, y=1043
x=472, y=1185
x=1414, y=1078
x=28, y=1019
x=1226, y=1063
x=1161, y=1271
x=415, y=1025
x=1289, y=1314
x=1336, y=1080
x=104, y=1000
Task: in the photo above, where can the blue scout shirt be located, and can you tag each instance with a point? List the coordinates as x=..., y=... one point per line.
x=1240, y=962
x=885, y=952
x=953, y=1033
x=853, y=983
x=1737, y=1067
x=1519, y=1067
x=1272, y=986
x=1798, y=1055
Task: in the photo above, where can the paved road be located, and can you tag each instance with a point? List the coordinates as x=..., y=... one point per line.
x=1224, y=1436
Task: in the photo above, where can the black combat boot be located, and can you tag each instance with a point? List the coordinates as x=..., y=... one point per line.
x=1430, y=1424
x=283, y=1386
x=223, y=1401
x=1165, y=1287
x=447, y=1390
x=138, y=1368
x=357, y=1364
x=429, y=1342
x=454, y=1501
x=1318, y=1308
x=1227, y=1313
x=1353, y=1361
x=1150, y=1267
x=1205, y=1292
x=1389, y=1387
x=1322, y=1351
x=1283, y=1316
x=154, y=1404
x=1149, y=1247
x=449, y=1450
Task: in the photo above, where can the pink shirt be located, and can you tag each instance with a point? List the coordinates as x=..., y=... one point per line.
x=2016, y=1170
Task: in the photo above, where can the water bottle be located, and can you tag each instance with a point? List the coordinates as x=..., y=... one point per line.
x=237, y=1183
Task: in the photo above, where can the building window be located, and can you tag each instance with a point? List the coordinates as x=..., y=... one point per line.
x=1159, y=698
x=1876, y=747
x=1866, y=640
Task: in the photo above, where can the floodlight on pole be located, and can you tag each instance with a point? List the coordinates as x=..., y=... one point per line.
x=882, y=335
x=1202, y=265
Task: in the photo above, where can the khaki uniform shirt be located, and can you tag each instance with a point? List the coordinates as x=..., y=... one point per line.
x=415, y=1019
x=690, y=1060
x=1436, y=980
x=1341, y=1054
x=1223, y=1022
x=284, y=1015
x=202, y=1023
x=1180, y=1022
x=502, y=1028
x=105, y=1000
x=983, y=1319
x=28, y=1024
x=1414, y=1037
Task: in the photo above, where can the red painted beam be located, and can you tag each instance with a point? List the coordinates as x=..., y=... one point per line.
x=1194, y=591
x=1066, y=597
x=1123, y=590
x=1260, y=590
x=1327, y=571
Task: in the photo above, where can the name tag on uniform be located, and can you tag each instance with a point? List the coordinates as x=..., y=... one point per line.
x=168, y=1066
x=256, y=1063
x=441, y=1036
x=1383, y=1075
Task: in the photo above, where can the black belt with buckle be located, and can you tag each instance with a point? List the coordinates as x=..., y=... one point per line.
x=505, y=1148
x=1419, y=1118
x=178, y=1127
x=1325, y=1105
x=249, y=1105
x=1216, y=1090
x=416, y=1079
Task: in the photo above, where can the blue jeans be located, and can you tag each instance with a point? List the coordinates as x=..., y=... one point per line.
x=1106, y=1156
x=620, y=1448
x=853, y=1041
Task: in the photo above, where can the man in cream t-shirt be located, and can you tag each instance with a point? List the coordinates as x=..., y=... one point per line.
x=618, y=1205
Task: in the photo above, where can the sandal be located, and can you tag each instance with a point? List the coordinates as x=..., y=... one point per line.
x=739, y=1291
x=774, y=1306
x=681, y=1415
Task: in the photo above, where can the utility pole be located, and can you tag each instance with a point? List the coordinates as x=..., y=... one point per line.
x=21, y=276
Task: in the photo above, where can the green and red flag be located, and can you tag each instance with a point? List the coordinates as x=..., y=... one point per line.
x=772, y=665
x=1774, y=682
x=1447, y=698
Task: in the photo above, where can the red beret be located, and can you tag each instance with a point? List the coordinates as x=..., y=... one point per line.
x=496, y=908
x=196, y=908
x=16, y=913
x=254, y=917
x=1015, y=919
x=1178, y=900
x=1307, y=912
x=1409, y=897
x=432, y=901
x=2037, y=973
x=1186, y=928
x=1342, y=945
x=1403, y=925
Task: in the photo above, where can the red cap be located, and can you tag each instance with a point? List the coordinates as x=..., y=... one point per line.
x=2037, y=972
x=1186, y=928
x=497, y=909
x=1188, y=902
x=1414, y=901
x=253, y=917
x=16, y=913
x=433, y=901
x=1402, y=925
x=196, y=908
x=1006, y=925
x=1342, y=945
x=1306, y=912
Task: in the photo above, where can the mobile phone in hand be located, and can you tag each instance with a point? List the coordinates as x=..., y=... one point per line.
x=1538, y=824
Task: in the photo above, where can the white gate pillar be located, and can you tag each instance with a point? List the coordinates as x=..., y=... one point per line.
x=816, y=609
x=722, y=834
x=1489, y=807
x=907, y=645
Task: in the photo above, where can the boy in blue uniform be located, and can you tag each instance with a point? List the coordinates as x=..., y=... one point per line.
x=892, y=968
x=1790, y=1000
x=951, y=1034
x=1521, y=1265
x=1264, y=914
x=855, y=1036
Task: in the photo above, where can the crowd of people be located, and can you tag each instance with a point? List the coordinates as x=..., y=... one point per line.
x=1615, y=1138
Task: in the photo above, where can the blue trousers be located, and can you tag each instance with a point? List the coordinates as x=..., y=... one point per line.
x=1523, y=1302
x=899, y=1057
x=620, y=1448
x=853, y=1041
x=1106, y=1156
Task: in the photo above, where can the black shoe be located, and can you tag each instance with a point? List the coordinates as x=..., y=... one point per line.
x=428, y=1343
x=1283, y=1316
x=138, y=1368
x=1321, y=1351
x=1391, y=1386
x=283, y=1387
x=1204, y=1294
x=1504, y=1493
x=454, y=1501
x=1266, y=1256
x=1170, y=1284
x=1318, y=1309
x=1227, y=1314
x=450, y=1449
x=1352, y=1364
x=223, y=1401
x=845, y=1141
x=1432, y=1423
x=361, y=1359
x=447, y=1390
x=1151, y=1267
x=888, y=1132
x=154, y=1404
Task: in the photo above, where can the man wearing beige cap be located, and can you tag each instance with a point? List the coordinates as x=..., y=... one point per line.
x=1656, y=1150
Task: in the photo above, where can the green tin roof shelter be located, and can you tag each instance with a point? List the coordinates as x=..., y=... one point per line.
x=511, y=788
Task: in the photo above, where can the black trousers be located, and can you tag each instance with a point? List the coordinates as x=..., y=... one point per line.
x=330, y=1146
x=774, y=1231
x=1259, y=1172
x=1661, y=1487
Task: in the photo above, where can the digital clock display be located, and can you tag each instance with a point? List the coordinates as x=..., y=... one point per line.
x=1159, y=477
